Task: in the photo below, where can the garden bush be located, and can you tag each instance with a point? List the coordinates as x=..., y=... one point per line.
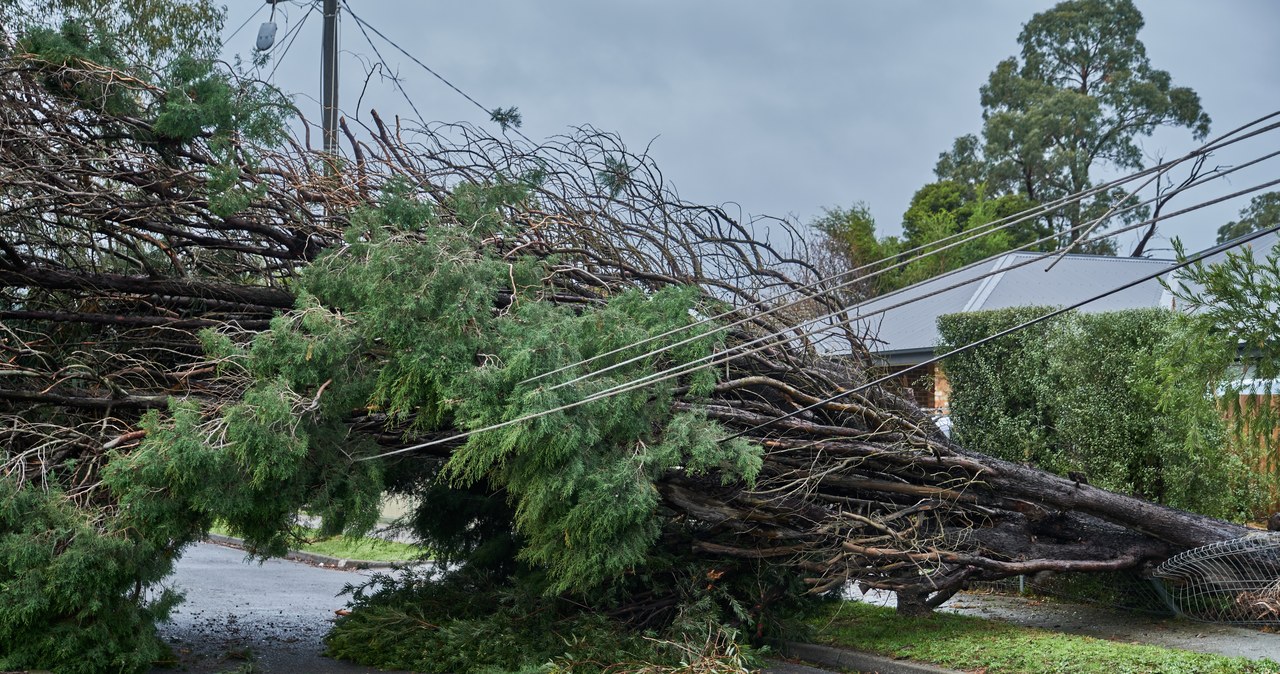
x=1085, y=395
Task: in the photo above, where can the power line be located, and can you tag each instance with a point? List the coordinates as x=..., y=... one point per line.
x=429, y=69
x=863, y=387
x=783, y=336
x=395, y=79
x=967, y=236
x=1008, y=331
x=236, y=32
x=963, y=237
x=291, y=35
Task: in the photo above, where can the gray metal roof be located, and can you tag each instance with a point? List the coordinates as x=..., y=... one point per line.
x=1261, y=246
x=907, y=333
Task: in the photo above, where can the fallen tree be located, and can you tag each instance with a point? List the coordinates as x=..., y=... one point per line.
x=204, y=319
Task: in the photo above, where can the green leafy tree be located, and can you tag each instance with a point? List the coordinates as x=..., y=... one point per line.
x=970, y=208
x=942, y=251
x=1077, y=100
x=939, y=212
x=148, y=32
x=945, y=213
x=847, y=242
x=1262, y=212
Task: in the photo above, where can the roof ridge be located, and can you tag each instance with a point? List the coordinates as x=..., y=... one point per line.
x=1091, y=256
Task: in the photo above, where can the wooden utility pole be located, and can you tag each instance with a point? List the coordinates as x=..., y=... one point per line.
x=329, y=77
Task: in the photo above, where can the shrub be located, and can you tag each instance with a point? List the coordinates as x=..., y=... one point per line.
x=1084, y=394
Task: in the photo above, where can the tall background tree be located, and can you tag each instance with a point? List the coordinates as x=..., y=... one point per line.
x=1073, y=105
x=1262, y=212
x=847, y=249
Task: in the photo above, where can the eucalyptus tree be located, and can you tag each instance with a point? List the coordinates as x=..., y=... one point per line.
x=1074, y=102
x=147, y=32
x=1262, y=212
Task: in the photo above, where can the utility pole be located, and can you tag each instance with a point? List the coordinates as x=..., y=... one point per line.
x=329, y=77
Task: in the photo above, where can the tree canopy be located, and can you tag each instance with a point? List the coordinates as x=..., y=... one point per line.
x=1075, y=101
x=145, y=32
x=1263, y=212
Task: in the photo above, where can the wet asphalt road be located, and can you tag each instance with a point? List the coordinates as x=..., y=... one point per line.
x=272, y=614
x=275, y=614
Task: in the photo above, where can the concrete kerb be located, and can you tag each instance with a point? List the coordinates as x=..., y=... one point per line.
x=310, y=557
x=844, y=659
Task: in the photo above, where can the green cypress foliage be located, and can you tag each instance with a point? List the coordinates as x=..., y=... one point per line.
x=428, y=327
x=60, y=53
x=79, y=560
x=71, y=586
x=580, y=481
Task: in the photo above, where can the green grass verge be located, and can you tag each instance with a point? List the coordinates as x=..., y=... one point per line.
x=977, y=645
x=365, y=548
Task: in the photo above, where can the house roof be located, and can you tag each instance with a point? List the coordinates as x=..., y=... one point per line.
x=903, y=324
x=901, y=327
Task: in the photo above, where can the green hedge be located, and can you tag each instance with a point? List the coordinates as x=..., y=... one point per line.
x=1083, y=394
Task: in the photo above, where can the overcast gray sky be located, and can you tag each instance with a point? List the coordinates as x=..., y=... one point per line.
x=779, y=107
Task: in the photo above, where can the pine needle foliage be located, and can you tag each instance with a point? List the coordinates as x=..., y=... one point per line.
x=59, y=53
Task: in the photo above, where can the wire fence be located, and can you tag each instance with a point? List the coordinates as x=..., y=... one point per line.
x=1234, y=582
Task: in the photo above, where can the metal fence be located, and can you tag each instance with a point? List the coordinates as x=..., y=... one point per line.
x=1233, y=582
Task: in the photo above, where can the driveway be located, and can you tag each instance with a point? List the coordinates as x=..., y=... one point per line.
x=272, y=614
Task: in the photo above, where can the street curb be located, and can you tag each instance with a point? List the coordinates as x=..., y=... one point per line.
x=860, y=662
x=776, y=666
x=309, y=557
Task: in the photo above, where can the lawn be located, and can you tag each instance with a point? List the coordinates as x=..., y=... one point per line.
x=991, y=647
x=365, y=548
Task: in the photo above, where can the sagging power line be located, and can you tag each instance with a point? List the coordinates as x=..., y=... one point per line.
x=923, y=252
x=587, y=400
